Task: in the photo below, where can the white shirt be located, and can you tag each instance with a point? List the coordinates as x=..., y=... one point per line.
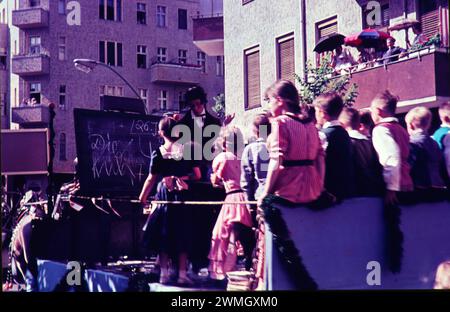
x=200, y=121
x=332, y=123
x=389, y=154
x=355, y=134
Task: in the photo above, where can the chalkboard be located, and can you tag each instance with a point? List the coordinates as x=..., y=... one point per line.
x=114, y=151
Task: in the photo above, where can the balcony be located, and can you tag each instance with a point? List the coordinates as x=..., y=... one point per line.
x=208, y=34
x=31, y=116
x=30, y=18
x=31, y=65
x=182, y=74
x=418, y=79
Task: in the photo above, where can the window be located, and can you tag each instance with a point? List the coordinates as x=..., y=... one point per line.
x=62, y=146
x=161, y=16
x=62, y=97
x=252, y=79
x=35, y=3
x=182, y=19
x=118, y=91
x=142, y=56
x=110, y=53
x=2, y=62
x=4, y=21
x=286, y=58
x=429, y=17
x=110, y=10
x=141, y=14
x=143, y=94
x=62, y=48
x=182, y=56
x=368, y=19
x=15, y=47
x=181, y=102
x=62, y=7
x=219, y=66
x=3, y=104
x=323, y=29
x=119, y=54
x=162, y=100
x=35, y=91
x=111, y=90
x=162, y=55
x=201, y=60
x=35, y=45
x=246, y=1
x=326, y=28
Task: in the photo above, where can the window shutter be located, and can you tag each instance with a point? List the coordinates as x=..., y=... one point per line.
x=253, y=94
x=286, y=59
x=327, y=28
x=430, y=23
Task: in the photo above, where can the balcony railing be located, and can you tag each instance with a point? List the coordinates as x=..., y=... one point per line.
x=31, y=116
x=34, y=17
x=172, y=72
x=31, y=64
x=419, y=78
x=208, y=34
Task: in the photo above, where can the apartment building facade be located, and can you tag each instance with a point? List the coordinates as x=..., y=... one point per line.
x=265, y=42
x=4, y=77
x=150, y=43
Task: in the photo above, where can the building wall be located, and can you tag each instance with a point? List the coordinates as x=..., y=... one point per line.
x=82, y=90
x=350, y=19
x=211, y=7
x=4, y=76
x=260, y=23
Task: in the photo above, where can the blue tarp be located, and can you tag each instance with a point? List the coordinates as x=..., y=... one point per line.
x=337, y=244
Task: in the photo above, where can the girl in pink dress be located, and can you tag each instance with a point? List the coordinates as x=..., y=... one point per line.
x=233, y=218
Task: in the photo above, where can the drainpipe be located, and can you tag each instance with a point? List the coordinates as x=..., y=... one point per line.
x=405, y=14
x=405, y=8
x=303, y=36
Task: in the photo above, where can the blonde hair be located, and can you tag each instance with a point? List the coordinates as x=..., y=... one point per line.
x=420, y=117
x=232, y=140
x=443, y=276
x=444, y=110
x=387, y=102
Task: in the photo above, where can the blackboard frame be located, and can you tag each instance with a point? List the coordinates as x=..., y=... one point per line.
x=91, y=186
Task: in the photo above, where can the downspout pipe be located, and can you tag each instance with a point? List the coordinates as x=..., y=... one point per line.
x=303, y=36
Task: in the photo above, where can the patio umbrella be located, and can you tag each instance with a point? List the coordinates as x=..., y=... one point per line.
x=329, y=43
x=403, y=24
x=367, y=38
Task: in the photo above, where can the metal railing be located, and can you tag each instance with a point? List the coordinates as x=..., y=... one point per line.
x=155, y=61
x=391, y=60
x=199, y=16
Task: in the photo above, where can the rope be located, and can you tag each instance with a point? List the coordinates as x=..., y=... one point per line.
x=157, y=202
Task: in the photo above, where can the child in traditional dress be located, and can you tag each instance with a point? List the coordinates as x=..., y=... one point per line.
x=169, y=227
x=234, y=217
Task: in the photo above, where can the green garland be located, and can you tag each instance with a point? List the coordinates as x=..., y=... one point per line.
x=292, y=261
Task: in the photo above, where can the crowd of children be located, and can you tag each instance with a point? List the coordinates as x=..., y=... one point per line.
x=298, y=155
